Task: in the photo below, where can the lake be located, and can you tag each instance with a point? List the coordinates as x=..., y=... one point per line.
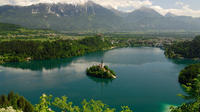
x=147, y=81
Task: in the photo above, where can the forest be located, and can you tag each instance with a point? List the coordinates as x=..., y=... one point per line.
x=189, y=78
x=16, y=101
x=186, y=49
x=20, y=50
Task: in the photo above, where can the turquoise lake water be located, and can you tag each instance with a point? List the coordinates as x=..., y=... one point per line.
x=147, y=81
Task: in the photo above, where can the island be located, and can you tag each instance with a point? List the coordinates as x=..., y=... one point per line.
x=101, y=71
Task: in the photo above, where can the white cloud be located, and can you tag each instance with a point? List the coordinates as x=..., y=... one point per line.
x=2, y=2
x=113, y=3
x=122, y=5
x=116, y=4
x=185, y=10
x=29, y=2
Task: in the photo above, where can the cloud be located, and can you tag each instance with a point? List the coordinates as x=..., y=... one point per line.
x=2, y=2
x=112, y=3
x=122, y=5
x=30, y=2
x=185, y=10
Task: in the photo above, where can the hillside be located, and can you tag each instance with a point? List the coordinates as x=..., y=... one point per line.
x=94, y=18
x=186, y=49
x=61, y=16
x=8, y=27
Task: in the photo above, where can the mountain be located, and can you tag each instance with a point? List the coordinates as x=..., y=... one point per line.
x=93, y=17
x=148, y=19
x=68, y=17
x=144, y=12
x=170, y=15
x=142, y=19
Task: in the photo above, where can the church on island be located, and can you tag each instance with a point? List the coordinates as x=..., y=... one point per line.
x=102, y=64
x=101, y=71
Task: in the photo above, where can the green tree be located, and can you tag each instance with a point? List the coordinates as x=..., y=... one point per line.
x=193, y=95
x=65, y=106
x=15, y=101
x=45, y=102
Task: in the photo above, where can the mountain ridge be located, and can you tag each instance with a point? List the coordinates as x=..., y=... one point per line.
x=94, y=17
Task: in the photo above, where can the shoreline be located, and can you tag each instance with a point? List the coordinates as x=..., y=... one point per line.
x=104, y=49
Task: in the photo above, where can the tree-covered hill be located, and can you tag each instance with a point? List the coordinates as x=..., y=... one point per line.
x=21, y=50
x=186, y=49
x=16, y=102
x=189, y=73
x=189, y=78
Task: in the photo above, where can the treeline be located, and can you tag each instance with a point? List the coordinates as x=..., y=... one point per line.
x=189, y=78
x=8, y=27
x=48, y=104
x=187, y=49
x=16, y=101
x=18, y=50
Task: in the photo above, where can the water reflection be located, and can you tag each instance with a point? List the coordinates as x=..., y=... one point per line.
x=134, y=56
x=44, y=78
x=101, y=81
x=41, y=65
x=184, y=61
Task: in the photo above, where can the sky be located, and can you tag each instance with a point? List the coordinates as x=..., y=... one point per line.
x=177, y=7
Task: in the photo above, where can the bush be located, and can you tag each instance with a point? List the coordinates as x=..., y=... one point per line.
x=65, y=106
